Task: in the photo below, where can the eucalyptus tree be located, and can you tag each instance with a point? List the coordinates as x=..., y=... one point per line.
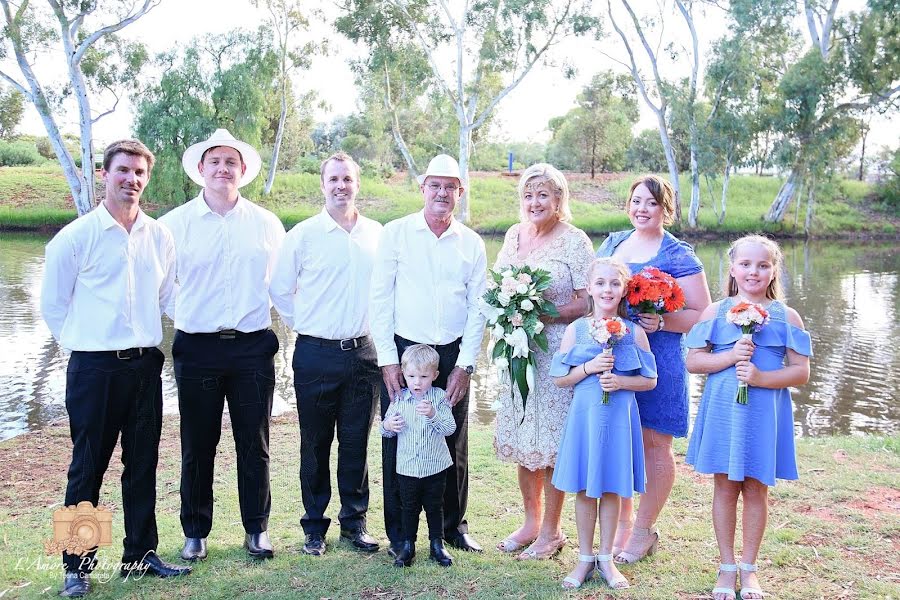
x=286, y=22
x=98, y=65
x=12, y=107
x=851, y=70
x=504, y=39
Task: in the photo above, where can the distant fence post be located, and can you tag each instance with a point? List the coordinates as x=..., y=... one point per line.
x=510, y=162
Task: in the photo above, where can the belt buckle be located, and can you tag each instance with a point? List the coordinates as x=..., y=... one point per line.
x=353, y=345
x=227, y=334
x=129, y=353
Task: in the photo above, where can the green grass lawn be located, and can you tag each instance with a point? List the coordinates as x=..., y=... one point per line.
x=35, y=197
x=833, y=534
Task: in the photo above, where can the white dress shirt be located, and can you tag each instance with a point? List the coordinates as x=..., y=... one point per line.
x=425, y=288
x=106, y=289
x=320, y=285
x=421, y=447
x=223, y=266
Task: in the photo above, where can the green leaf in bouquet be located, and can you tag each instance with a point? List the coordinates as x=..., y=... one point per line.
x=499, y=349
x=549, y=309
x=518, y=367
x=540, y=341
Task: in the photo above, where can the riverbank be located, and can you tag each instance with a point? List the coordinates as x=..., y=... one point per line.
x=833, y=534
x=38, y=199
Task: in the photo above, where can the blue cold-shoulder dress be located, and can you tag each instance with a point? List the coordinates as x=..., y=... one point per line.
x=754, y=439
x=601, y=449
x=665, y=408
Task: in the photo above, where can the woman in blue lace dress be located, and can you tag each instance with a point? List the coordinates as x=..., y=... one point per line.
x=664, y=411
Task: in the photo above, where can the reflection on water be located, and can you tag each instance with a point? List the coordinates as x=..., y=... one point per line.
x=848, y=295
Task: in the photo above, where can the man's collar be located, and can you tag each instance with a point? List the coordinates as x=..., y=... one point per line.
x=330, y=224
x=421, y=223
x=108, y=221
x=203, y=208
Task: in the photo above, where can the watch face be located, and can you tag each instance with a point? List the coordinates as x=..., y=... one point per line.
x=470, y=369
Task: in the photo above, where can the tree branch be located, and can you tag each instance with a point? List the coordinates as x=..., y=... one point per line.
x=650, y=54
x=635, y=74
x=89, y=40
x=22, y=89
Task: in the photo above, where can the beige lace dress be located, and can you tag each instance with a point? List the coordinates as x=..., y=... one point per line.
x=534, y=441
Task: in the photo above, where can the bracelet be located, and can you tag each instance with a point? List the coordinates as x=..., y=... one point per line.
x=584, y=368
x=661, y=323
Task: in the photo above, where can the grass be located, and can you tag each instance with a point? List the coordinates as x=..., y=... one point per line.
x=36, y=197
x=833, y=534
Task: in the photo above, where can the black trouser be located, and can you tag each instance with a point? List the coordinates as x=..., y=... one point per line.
x=417, y=493
x=210, y=368
x=106, y=395
x=456, y=492
x=335, y=389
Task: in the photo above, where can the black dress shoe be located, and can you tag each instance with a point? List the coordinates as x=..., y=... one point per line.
x=258, y=545
x=360, y=539
x=75, y=585
x=464, y=541
x=394, y=549
x=314, y=545
x=405, y=554
x=438, y=554
x=152, y=564
x=194, y=549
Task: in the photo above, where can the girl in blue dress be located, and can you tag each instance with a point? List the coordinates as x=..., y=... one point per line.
x=601, y=455
x=746, y=446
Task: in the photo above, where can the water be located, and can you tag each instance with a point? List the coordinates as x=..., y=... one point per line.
x=847, y=293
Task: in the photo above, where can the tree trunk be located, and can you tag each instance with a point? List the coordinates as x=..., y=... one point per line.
x=279, y=134
x=395, y=129
x=670, y=160
x=593, y=156
x=781, y=201
x=85, y=201
x=465, y=139
x=725, y=181
x=695, y=183
x=810, y=203
x=862, y=154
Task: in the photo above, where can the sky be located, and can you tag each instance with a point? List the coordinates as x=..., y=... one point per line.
x=521, y=116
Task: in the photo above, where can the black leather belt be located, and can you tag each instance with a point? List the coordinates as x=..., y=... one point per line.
x=345, y=345
x=229, y=334
x=128, y=354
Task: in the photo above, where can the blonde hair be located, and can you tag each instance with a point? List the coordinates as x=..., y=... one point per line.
x=624, y=275
x=339, y=156
x=774, y=290
x=540, y=173
x=420, y=356
x=661, y=190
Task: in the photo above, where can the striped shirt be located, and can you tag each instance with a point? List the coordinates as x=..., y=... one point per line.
x=421, y=447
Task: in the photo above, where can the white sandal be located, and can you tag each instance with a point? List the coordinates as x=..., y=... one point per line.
x=573, y=583
x=729, y=592
x=749, y=590
x=617, y=582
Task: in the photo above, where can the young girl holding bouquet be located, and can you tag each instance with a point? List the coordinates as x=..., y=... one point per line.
x=753, y=347
x=601, y=455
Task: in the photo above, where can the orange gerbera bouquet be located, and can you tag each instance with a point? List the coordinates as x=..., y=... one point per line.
x=607, y=333
x=653, y=291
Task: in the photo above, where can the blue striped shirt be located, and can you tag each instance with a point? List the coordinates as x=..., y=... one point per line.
x=421, y=447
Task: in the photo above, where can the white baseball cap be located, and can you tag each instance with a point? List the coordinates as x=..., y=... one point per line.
x=442, y=165
x=221, y=137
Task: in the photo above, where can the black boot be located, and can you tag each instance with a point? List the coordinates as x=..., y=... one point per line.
x=405, y=555
x=438, y=554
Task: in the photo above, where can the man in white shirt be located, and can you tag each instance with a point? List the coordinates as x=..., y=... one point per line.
x=320, y=288
x=429, y=273
x=107, y=279
x=226, y=247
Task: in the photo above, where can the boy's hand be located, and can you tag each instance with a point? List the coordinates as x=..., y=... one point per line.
x=425, y=408
x=394, y=423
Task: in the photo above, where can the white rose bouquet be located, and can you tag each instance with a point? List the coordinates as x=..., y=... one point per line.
x=514, y=305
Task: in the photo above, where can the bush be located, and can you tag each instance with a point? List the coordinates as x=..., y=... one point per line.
x=309, y=163
x=45, y=148
x=14, y=154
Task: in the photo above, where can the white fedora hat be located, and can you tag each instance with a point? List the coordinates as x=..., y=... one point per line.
x=221, y=137
x=442, y=165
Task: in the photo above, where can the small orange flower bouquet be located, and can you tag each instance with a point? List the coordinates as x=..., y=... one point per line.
x=607, y=333
x=653, y=291
x=750, y=318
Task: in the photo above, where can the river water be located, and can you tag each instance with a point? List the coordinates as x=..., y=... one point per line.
x=847, y=293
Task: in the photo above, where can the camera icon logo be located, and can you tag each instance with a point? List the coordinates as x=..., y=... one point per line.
x=80, y=529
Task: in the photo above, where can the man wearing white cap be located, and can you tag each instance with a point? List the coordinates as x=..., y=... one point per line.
x=226, y=247
x=429, y=272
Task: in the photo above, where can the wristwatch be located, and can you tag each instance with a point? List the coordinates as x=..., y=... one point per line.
x=468, y=369
x=661, y=323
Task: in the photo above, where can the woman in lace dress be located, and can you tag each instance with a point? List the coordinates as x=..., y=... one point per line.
x=664, y=411
x=530, y=438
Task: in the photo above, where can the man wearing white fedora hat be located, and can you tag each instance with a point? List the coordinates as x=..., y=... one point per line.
x=429, y=272
x=226, y=247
